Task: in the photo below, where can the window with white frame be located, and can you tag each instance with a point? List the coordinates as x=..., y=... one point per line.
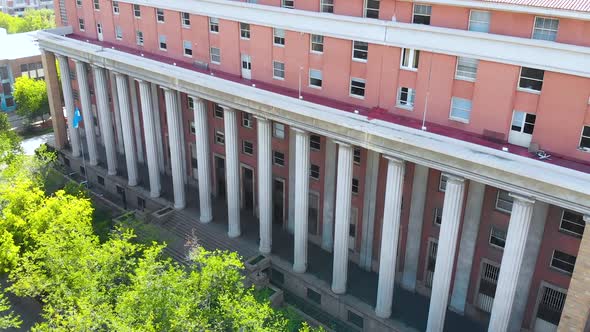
x=278, y=70
x=219, y=137
x=278, y=158
x=437, y=216
x=116, y=8
x=278, y=130
x=356, y=155
x=137, y=11
x=244, y=30
x=185, y=20
x=523, y=122
x=531, y=79
x=118, y=33
x=355, y=186
x=218, y=111
x=504, y=201
x=187, y=48
x=247, y=147
x=551, y=303
x=190, y=103
x=315, y=142
x=315, y=78
x=215, y=55
x=314, y=172
x=406, y=97
x=360, y=50
x=78, y=3
x=422, y=14
x=497, y=237
x=278, y=37
x=96, y=5
x=327, y=6
x=81, y=24
x=410, y=58
x=585, y=139
x=372, y=8
x=479, y=20
x=442, y=182
x=563, y=261
x=545, y=28
x=288, y=3
x=246, y=120
x=460, y=109
x=466, y=69
x=160, y=15
x=213, y=24
x=317, y=43
x=192, y=126
x=357, y=87
x=163, y=44
x=139, y=38
x=572, y=223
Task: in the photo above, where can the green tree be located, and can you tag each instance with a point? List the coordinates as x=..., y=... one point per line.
x=30, y=97
x=30, y=21
x=9, y=142
x=7, y=318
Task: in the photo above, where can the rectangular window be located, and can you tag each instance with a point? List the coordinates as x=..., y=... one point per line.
x=219, y=138
x=244, y=30
x=460, y=109
x=185, y=19
x=314, y=172
x=96, y=5
x=79, y=3
x=163, y=45
x=357, y=87
x=523, y=122
x=406, y=97
x=437, y=216
x=372, y=8
x=118, y=33
x=278, y=158
x=572, y=223
x=315, y=78
x=551, y=305
x=422, y=14
x=360, y=51
x=278, y=70
x=315, y=142
x=136, y=11
x=247, y=148
x=466, y=69
x=278, y=37
x=531, y=79
x=504, y=201
x=355, y=186
x=479, y=21
x=81, y=24
x=192, y=127
x=3, y=73
x=9, y=101
x=100, y=180
x=215, y=55
x=497, y=237
x=410, y=58
x=317, y=43
x=314, y=296
x=278, y=130
x=585, y=139
x=187, y=48
x=218, y=111
x=355, y=319
x=246, y=120
x=563, y=262
x=545, y=28
x=139, y=38
x=213, y=24
x=190, y=103
x=442, y=182
x=288, y=4
x=116, y=7
x=327, y=6
x=356, y=155
x=160, y=15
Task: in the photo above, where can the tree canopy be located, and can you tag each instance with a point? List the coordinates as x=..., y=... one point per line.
x=30, y=96
x=30, y=21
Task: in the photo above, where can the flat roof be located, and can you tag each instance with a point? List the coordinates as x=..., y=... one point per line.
x=573, y=5
x=18, y=45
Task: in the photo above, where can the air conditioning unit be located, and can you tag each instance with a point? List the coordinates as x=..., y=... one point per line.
x=201, y=65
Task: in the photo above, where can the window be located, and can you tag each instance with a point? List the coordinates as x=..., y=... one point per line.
x=315, y=78
x=9, y=101
x=163, y=45
x=140, y=203
x=3, y=73
x=278, y=37
x=213, y=24
x=327, y=6
x=437, y=216
x=356, y=155
x=504, y=201
x=139, y=38
x=545, y=28
x=190, y=103
x=422, y=14
x=185, y=19
x=136, y=11
x=192, y=127
x=460, y=109
x=187, y=48
x=246, y=120
x=219, y=138
x=551, y=305
x=466, y=69
x=81, y=24
x=572, y=222
x=563, y=262
x=288, y=4
x=100, y=180
x=218, y=111
x=76, y=94
x=118, y=33
x=405, y=98
x=314, y=296
x=355, y=186
x=278, y=130
x=317, y=43
x=79, y=3
x=531, y=79
x=116, y=7
x=410, y=58
x=479, y=21
x=372, y=8
x=523, y=122
x=497, y=237
x=355, y=319
x=247, y=148
x=314, y=172
x=442, y=182
x=244, y=30
x=357, y=87
x=360, y=51
x=278, y=158
x=315, y=142
x=585, y=139
x=215, y=55
x=96, y=5
x=160, y=15
x=278, y=70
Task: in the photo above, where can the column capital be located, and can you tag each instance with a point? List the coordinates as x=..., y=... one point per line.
x=118, y=74
x=60, y=56
x=95, y=66
x=454, y=178
x=261, y=118
x=394, y=159
x=343, y=144
x=522, y=199
x=165, y=88
x=299, y=131
x=226, y=108
x=195, y=98
x=587, y=219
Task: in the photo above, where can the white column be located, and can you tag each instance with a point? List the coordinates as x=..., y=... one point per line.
x=291, y=186
x=203, y=158
x=127, y=126
x=390, y=235
x=136, y=120
x=232, y=166
x=518, y=229
x=264, y=183
x=174, y=140
x=87, y=116
x=117, y=113
x=158, y=126
x=369, y=200
x=149, y=131
x=447, y=244
x=301, y=201
x=342, y=218
x=105, y=120
x=66, y=86
x=329, y=196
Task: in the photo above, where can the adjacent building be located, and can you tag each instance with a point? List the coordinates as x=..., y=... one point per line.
x=436, y=152
x=18, y=7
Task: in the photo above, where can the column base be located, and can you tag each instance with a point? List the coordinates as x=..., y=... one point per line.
x=205, y=219
x=132, y=183
x=382, y=314
x=154, y=194
x=327, y=247
x=299, y=268
x=179, y=206
x=233, y=235
x=338, y=289
x=93, y=163
x=264, y=250
x=112, y=173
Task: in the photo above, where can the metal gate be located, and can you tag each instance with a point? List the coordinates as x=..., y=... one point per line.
x=432, y=249
x=487, y=286
x=549, y=310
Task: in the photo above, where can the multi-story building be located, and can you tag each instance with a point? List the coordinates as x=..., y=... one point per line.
x=437, y=152
x=18, y=7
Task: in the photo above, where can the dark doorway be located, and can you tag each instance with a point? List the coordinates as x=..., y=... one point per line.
x=121, y=193
x=278, y=201
x=220, y=176
x=247, y=189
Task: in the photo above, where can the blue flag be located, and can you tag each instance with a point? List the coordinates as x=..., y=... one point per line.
x=77, y=118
